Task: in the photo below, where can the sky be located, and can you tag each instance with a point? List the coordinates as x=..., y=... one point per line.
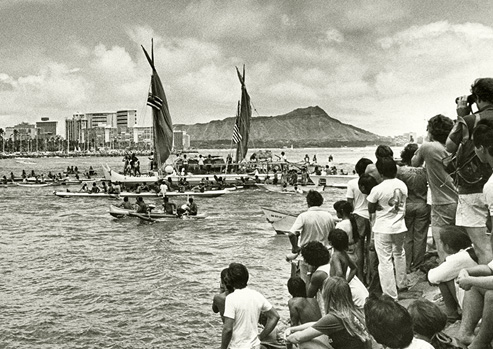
x=383, y=65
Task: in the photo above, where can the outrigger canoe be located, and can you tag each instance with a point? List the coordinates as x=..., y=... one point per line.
x=119, y=212
x=34, y=185
x=290, y=189
x=206, y=194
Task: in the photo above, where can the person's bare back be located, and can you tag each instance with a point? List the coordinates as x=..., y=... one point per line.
x=303, y=310
x=339, y=264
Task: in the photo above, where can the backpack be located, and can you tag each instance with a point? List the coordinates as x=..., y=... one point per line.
x=465, y=167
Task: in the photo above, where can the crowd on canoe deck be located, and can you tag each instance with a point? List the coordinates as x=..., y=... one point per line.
x=351, y=275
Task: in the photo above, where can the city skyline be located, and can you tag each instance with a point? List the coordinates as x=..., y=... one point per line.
x=384, y=66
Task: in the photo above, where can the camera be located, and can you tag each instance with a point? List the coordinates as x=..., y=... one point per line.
x=470, y=99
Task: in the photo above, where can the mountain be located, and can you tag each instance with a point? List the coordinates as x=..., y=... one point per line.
x=304, y=127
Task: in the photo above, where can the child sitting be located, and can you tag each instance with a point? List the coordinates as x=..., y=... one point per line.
x=340, y=261
x=457, y=245
x=301, y=308
x=390, y=324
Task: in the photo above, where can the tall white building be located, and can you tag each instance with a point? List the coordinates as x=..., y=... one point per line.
x=126, y=119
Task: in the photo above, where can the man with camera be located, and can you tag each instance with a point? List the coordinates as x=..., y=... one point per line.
x=471, y=174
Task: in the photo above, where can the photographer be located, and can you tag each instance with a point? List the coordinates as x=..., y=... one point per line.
x=471, y=174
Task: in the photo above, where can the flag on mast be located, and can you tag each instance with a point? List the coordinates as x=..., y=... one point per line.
x=236, y=129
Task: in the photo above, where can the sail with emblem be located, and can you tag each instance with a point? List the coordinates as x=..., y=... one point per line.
x=162, y=124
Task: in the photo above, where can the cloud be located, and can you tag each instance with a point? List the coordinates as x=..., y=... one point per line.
x=55, y=86
x=421, y=71
x=237, y=19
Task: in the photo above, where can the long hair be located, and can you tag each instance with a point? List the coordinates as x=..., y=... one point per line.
x=339, y=303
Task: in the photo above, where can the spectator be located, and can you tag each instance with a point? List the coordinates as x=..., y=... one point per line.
x=242, y=312
x=471, y=209
x=443, y=192
x=417, y=216
x=387, y=201
x=457, y=245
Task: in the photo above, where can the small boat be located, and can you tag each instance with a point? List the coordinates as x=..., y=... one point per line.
x=33, y=185
x=333, y=181
x=280, y=221
x=69, y=194
x=119, y=212
x=291, y=189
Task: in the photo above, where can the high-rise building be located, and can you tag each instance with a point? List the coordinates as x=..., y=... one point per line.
x=143, y=134
x=178, y=140
x=126, y=119
x=22, y=131
x=46, y=128
x=100, y=119
x=75, y=129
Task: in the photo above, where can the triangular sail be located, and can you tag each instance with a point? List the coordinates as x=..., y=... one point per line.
x=243, y=119
x=162, y=124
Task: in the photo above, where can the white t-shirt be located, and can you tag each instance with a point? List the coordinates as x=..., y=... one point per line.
x=359, y=199
x=389, y=217
x=450, y=269
x=313, y=225
x=419, y=344
x=346, y=225
x=358, y=289
x=244, y=307
x=163, y=188
x=488, y=194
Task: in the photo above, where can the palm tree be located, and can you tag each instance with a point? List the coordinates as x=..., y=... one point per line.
x=2, y=132
x=16, y=132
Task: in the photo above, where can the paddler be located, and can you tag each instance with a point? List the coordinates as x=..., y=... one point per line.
x=141, y=205
x=126, y=204
x=190, y=209
x=169, y=207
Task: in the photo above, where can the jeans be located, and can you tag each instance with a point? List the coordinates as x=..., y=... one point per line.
x=362, y=248
x=390, y=246
x=417, y=223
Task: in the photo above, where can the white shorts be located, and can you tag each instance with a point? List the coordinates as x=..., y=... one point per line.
x=471, y=210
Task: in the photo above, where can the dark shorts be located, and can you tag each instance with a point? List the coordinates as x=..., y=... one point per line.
x=442, y=215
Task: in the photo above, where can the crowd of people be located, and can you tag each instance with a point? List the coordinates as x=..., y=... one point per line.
x=350, y=275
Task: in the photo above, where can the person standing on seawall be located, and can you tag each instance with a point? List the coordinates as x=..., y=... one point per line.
x=472, y=212
x=417, y=215
x=388, y=201
x=443, y=192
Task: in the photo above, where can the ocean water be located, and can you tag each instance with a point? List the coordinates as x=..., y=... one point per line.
x=72, y=276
